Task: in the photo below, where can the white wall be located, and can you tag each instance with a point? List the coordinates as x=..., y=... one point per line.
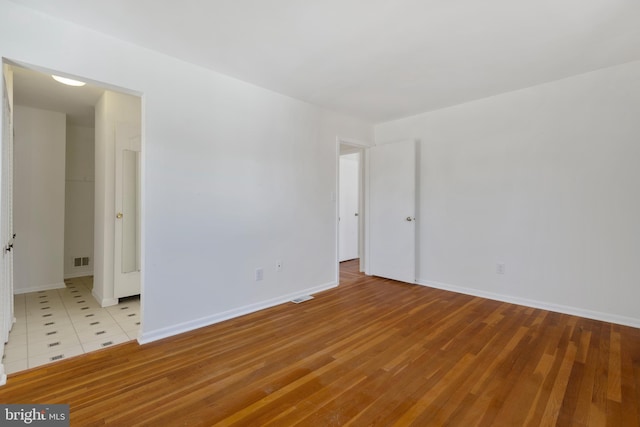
x=544, y=180
x=39, y=171
x=79, y=199
x=234, y=176
x=112, y=109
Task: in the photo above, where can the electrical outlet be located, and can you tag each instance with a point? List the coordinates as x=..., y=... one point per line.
x=278, y=265
x=259, y=274
x=500, y=268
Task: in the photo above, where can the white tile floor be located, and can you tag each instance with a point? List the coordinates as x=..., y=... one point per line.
x=57, y=324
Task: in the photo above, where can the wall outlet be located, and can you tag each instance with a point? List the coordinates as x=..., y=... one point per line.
x=278, y=265
x=259, y=274
x=500, y=268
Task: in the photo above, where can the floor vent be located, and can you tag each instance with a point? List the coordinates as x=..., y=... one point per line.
x=302, y=299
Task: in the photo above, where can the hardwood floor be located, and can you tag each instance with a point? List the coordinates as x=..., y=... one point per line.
x=371, y=352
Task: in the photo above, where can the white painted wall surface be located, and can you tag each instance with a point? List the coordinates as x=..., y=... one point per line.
x=79, y=199
x=39, y=171
x=543, y=180
x=235, y=177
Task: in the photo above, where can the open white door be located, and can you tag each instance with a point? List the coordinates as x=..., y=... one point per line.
x=127, y=216
x=349, y=202
x=392, y=211
x=6, y=224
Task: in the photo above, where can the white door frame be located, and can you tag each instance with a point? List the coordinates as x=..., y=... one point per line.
x=362, y=210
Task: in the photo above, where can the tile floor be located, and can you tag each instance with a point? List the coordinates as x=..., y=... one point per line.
x=56, y=324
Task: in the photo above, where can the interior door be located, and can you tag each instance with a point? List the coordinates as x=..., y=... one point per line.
x=127, y=216
x=349, y=201
x=6, y=213
x=392, y=211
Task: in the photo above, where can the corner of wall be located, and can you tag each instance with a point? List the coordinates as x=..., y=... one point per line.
x=104, y=302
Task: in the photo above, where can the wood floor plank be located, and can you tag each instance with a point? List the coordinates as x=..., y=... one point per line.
x=614, y=391
x=370, y=352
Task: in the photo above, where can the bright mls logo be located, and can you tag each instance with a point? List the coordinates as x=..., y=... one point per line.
x=34, y=415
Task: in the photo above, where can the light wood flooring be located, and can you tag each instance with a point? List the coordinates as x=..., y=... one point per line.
x=371, y=352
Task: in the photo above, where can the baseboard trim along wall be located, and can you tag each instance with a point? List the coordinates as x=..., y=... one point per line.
x=78, y=274
x=48, y=287
x=558, y=308
x=106, y=302
x=149, y=336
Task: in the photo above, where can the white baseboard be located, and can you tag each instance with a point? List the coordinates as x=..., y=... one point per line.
x=104, y=302
x=558, y=308
x=48, y=287
x=149, y=336
x=3, y=375
x=78, y=274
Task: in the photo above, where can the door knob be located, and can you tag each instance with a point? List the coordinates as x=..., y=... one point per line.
x=119, y=215
x=409, y=219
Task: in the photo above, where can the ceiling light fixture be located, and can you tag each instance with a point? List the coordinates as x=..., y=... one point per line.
x=66, y=81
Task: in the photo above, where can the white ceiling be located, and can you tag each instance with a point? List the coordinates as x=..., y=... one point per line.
x=35, y=89
x=375, y=59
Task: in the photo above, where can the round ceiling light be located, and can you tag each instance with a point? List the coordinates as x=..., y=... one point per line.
x=69, y=82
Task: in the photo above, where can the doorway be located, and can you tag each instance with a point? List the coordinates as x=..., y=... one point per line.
x=351, y=207
x=387, y=210
x=91, y=122
x=86, y=205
